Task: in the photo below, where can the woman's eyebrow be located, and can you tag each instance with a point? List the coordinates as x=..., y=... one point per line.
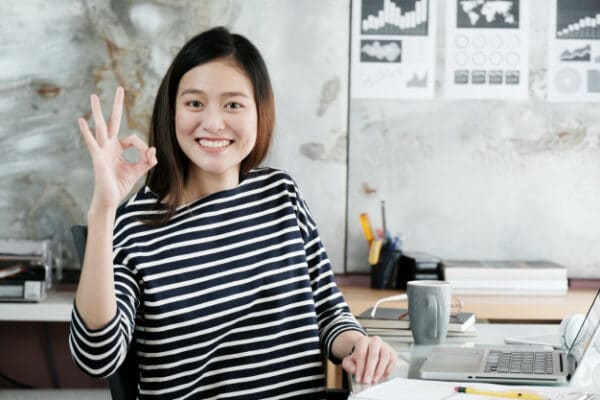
x=224, y=94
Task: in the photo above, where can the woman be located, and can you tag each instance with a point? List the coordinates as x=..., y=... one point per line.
x=215, y=267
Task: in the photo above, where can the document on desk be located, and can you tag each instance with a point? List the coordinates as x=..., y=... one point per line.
x=417, y=389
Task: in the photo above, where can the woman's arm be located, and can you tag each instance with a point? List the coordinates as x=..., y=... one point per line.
x=114, y=177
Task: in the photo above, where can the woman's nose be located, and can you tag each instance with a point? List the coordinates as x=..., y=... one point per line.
x=212, y=120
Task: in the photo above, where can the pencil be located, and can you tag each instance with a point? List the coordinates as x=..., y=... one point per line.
x=510, y=394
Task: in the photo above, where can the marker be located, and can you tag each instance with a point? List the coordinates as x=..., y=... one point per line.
x=508, y=394
x=375, y=251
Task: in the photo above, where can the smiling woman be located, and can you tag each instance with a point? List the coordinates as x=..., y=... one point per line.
x=215, y=269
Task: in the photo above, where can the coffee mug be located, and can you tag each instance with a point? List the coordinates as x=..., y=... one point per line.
x=429, y=310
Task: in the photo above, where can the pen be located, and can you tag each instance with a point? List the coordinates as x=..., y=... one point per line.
x=366, y=227
x=507, y=394
x=383, y=220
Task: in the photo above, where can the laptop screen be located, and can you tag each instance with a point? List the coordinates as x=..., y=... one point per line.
x=588, y=329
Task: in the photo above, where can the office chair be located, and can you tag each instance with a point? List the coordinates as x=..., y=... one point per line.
x=123, y=383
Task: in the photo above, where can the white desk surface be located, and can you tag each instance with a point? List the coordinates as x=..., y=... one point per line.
x=56, y=307
x=55, y=394
x=410, y=357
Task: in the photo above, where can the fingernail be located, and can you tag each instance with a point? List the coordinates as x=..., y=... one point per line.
x=367, y=379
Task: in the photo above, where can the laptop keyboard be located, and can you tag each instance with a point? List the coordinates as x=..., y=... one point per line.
x=519, y=362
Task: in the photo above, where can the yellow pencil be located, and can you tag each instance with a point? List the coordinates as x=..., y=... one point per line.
x=508, y=394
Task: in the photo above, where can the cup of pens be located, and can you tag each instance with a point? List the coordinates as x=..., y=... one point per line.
x=384, y=252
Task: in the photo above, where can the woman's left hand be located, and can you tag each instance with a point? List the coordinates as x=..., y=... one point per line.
x=371, y=361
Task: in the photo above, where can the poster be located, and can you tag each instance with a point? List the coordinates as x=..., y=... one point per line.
x=393, y=49
x=487, y=49
x=574, y=51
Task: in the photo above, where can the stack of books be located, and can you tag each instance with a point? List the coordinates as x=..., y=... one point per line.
x=393, y=324
x=506, y=277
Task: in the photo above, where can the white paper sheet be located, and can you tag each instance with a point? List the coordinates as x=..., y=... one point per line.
x=487, y=49
x=573, y=50
x=393, y=48
x=416, y=389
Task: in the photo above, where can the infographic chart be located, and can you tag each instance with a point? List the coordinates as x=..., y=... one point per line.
x=393, y=48
x=574, y=51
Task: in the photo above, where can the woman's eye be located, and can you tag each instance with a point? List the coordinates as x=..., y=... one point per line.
x=193, y=103
x=233, y=105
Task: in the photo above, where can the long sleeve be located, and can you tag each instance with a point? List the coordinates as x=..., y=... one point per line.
x=99, y=352
x=333, y=314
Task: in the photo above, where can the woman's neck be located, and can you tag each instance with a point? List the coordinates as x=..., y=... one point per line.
x=202, y=184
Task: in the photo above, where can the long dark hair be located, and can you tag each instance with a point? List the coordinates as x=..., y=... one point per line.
x=167, y=178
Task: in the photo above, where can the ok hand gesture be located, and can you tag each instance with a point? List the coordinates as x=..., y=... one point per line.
x=114, y=177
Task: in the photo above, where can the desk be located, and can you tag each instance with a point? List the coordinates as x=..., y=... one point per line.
x=56, y=307
x=411, y=357
x=520, y=309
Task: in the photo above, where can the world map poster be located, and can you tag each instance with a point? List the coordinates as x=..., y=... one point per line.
x=393, y=49
x=487, y=49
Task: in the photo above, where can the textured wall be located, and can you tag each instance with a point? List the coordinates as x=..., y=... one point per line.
x=54, y=54
x=480, y=179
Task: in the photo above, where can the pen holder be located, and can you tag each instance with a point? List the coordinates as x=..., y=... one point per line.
x=383, y=274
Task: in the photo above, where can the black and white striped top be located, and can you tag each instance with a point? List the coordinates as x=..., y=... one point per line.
x=233, y=298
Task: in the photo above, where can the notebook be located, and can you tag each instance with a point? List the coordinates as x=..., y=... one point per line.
x=515, y=364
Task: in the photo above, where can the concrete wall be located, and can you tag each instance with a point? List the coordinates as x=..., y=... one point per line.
x=479, y=179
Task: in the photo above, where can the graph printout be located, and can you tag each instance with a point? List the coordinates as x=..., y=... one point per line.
x=487, y=49
x=574, y=51
x=393, y=48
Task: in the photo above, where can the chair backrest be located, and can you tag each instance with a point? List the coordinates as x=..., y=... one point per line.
x=123, y=383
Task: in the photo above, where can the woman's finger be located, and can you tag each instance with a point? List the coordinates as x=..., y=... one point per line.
x=135, y=141
x=382, y=364
x=372, y=359
x=360, y=354
x=86, y=134
x=101, y=134
x=114, y=124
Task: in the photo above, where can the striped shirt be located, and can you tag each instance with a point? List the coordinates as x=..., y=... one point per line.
x=233, y=298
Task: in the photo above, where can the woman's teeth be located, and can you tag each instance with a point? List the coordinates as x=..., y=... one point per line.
x=213, y=143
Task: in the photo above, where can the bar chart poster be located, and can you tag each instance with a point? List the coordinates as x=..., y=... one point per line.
x=393, y=49
x=574, y=51
x=487, y=49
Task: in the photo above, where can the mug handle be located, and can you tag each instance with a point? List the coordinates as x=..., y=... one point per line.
x=432, y=307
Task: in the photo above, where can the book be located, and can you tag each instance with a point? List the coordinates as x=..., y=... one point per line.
x=505, y=270
x=537, y=277
x=398, y=318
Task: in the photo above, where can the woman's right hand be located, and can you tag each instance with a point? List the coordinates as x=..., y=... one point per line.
x=114, y=177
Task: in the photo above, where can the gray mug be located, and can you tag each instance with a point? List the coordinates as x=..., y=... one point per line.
x=429, y=310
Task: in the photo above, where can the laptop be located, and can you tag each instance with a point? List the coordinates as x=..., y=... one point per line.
x=516, y=364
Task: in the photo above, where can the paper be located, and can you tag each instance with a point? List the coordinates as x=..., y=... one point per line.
x=573, y=46
x=416, y=389
x=393, y=49
x=487, y=49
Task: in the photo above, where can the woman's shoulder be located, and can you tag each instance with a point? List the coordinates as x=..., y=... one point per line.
x=141, y=202
x=268, y=174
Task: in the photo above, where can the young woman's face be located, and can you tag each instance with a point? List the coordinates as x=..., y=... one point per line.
x=216, y=119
